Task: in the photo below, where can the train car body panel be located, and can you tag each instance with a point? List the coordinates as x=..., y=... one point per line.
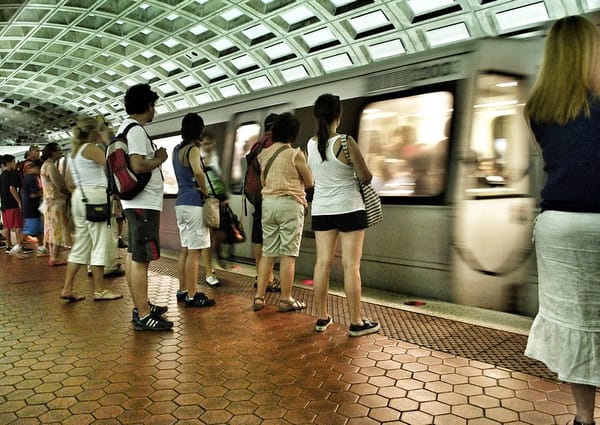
x=459, y=200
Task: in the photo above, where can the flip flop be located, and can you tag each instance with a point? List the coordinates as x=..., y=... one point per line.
x=73, y=297
x=53, y=263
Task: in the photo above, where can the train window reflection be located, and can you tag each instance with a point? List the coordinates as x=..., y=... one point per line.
x=497, y=158
x=245, y=136
x=405, y=143
x=170, y=181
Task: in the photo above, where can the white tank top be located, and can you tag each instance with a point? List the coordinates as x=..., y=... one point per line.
x=87, y=172
x=336, y=188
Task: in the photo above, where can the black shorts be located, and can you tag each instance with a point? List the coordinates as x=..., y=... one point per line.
x=257, y=236
x=142, y=234
x=348, y=222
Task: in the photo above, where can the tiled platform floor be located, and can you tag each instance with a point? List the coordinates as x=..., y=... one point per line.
x=81, y=363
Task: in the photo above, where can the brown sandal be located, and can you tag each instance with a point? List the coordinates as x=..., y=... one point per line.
x=73, y=297
x=292, y=305
x=259, y=303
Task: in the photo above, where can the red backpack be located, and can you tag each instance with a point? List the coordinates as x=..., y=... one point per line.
x=122, y=180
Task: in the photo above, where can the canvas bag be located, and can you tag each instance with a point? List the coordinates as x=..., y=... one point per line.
x=210, y=209
x=369, y=195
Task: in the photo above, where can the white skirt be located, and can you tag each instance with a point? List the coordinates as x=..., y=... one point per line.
x=565, y=334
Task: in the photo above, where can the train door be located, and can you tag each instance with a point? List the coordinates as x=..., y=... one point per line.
x=493, y=206
x=244, y=130
x=405, y=139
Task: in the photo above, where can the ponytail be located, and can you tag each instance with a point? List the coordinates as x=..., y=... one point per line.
x=322, y=137
x=81, y=133
x=327, y=109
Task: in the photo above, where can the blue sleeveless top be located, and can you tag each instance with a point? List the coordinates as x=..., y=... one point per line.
x=187, y=193
x=571, y=155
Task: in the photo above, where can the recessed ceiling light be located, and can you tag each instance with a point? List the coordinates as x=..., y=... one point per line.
x=213, y=72
x=422, y=6
x=294, y=73
x=522, y=16
x=278, y=50
x=231, y=14
x=259, y=83
x=198, y=29
x=229, y=91
x=369, y=21
x=256, y=31
x=333, y=63
x=171, y=42
x=386, y=49
x=203, y=98
x=243, y=62
x=447, y=34
x=221, y=44
x=297, y=14
x=319, y=37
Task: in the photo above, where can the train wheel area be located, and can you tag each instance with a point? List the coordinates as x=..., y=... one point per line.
x=65, y=362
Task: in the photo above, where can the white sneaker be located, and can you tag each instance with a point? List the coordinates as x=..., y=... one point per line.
x=18, y=252
x=42, y=251
x=212, y=280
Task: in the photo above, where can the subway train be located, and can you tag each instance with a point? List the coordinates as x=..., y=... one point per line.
x=452, y=158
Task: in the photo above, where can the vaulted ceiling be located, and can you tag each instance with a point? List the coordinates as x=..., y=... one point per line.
x=60, y=59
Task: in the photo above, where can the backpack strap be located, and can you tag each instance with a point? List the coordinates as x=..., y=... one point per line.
x=270, y=162
x=207, y=177
x=129, y=127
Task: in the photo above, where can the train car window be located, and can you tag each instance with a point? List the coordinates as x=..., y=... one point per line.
x=405, y=143
x=245, y=136
x=169, y=143
x=498, y=154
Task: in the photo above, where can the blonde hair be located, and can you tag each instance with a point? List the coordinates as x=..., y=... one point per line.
x=561, y=92
x=81, y=133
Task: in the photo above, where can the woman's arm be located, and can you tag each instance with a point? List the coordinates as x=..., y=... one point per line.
x=69, y=183
x=56, y=178
x=360, y=166
x=303, y=170
x=197, y=170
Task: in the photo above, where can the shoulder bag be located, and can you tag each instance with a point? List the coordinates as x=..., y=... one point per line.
x=210, y=209
x=369, y=195
x=96, y=213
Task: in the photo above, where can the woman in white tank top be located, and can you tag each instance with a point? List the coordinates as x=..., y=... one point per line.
x=86, y=175
x=337, y=211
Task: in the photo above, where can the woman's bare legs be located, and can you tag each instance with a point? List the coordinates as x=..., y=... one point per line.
x=352, y=246
x=326, y=242
x=287, y=269
x=584, y=401
x=264, y=268
x=181, y=259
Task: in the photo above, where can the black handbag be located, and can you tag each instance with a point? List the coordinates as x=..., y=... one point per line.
x=96, y=213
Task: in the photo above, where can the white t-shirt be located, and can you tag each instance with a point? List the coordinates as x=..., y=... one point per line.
x=151, y=198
